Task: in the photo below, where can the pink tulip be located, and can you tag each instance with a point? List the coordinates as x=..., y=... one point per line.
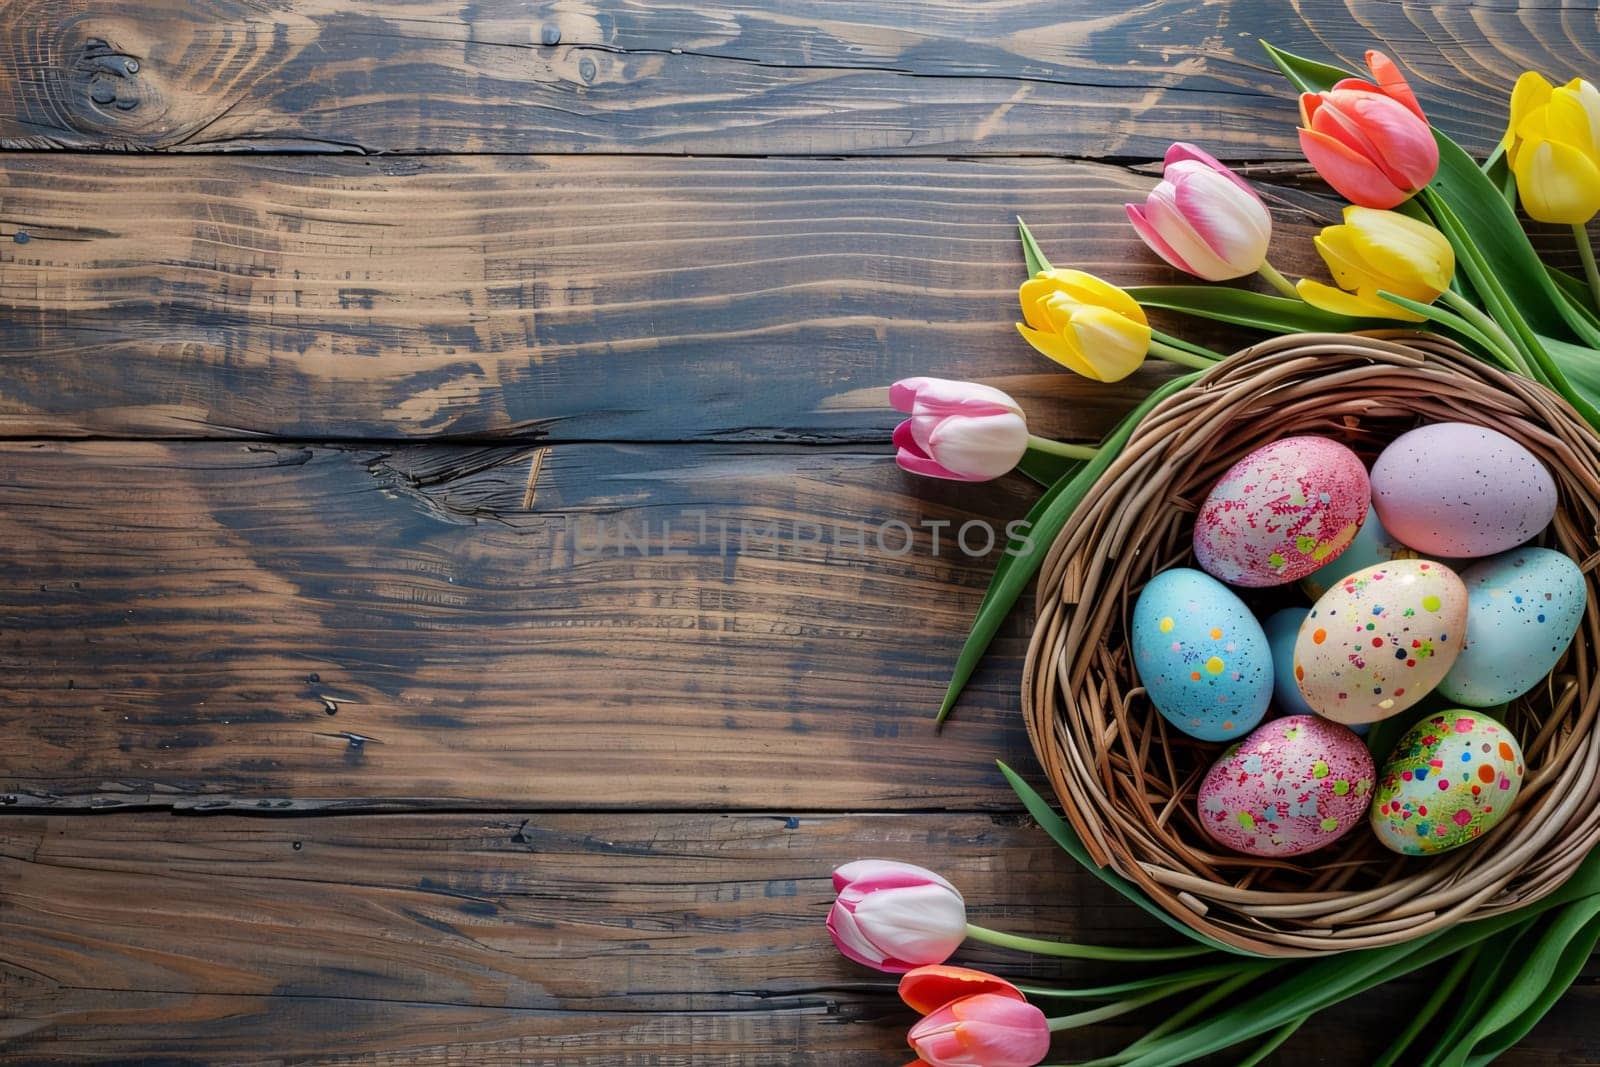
x=895, y=916
x=1203, y=218
x=958, y=430
x=1370, y=142
x=985, y=1030
x=930, y=988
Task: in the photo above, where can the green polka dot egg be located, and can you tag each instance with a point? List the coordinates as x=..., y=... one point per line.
x=1451, y=778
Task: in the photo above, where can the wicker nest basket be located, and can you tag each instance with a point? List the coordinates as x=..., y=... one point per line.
x=1128, y=781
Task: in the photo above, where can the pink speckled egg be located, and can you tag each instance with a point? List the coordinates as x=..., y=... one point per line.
x=1292, y=786
x=1381, y=640
x=1455, y=489
x=1281, y=512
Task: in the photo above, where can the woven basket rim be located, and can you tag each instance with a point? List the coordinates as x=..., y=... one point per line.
x=1123, y=777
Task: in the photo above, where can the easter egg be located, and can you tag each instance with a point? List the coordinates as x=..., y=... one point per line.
x=1448, y=781
x=1281, y=628
x=1455, y=489
x=1281, y=512
x=1294, y=785
x=1523, y=607
x=1380, y=640
x=1201, y=655
x=1372, y=545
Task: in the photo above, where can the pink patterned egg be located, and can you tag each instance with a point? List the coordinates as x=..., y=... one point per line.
x=1282, y=512
x=1294, y=785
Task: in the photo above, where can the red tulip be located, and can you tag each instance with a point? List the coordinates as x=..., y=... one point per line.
x=983, y=1030
x=1369, y=141
x=895, y=916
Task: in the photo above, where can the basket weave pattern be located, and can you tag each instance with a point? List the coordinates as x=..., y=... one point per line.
x=1127, y=779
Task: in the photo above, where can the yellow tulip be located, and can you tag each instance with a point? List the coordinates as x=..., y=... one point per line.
x=1553, y=146
x=1375, y=251
x=1085, y=324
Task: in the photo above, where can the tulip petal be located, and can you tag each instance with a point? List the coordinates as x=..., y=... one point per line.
x=1233, y=224
x=1171, y=224
x=1408, y=257
x=1152, y=237
x=1062, y=349
x=1110, y=344
x=1086, y=288
x=1530, y=93
x=1339, y=302
x=919, y=924
x=1401, y=146
x=985, y=446
x=1182, y=150
x=876, y=874
x=942, y=396
x=1393, y=83
x=928, y=988
x=1352, y=175
x=850, y=941
x=1568, y=121
x=1557, y=183
x=984, y=1030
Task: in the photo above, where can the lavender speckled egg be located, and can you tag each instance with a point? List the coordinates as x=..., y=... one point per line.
x=1372, y=545
x=1455, y=489
x=1281, y=512
x=1380, y=640
x=1201, y=655
x=1451, y=778
x=1294, y=785
x=1523, y=607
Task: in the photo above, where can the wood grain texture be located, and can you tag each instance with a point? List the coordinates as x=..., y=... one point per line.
x=1065, y=77
x=212, y=625
x=533, y=939
x=565, y=297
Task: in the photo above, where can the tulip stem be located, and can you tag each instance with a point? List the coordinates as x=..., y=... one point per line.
x=1185, y=346
x=1173, y=354
x=1083, y=952
x=1490, y=329
x=1061, y=448
x=1279, y=282
x=1178, y=980
x=1192, y=980
x=1586, y=251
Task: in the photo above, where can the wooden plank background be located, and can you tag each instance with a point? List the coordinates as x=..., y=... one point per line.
x=332, y=332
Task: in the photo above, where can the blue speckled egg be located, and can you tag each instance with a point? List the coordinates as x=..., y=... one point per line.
x=1523, y=607
x=1201, y=655
x=1372, y=545
x=1281, y=628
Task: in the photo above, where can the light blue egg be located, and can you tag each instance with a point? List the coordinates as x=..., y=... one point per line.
x=1372, y=545
x=1201, y=655
x=1281, y=628
x=1523, y=606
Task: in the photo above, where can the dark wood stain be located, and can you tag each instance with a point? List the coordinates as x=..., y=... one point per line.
x=1058, y=77
x=334, y=331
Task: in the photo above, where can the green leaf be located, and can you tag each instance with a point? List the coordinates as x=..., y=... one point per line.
x=1024, y=555
x=1064, y=835
x=1030, y=250
x=1307, y=75
x=1325, y=982
x=1498, y=171
x=1576, y=290
x=1574, y=956
x=1047, y=468
x=1491, y=226
x=1242, y=307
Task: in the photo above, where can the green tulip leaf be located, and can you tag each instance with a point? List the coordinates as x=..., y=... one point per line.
x=1047, y=468
x=1573, y=957
x=1062, y=833
x=1030, y=250
x=1025, y=555
x=1307, y=75
x=1576, y=290
x=1242, y=307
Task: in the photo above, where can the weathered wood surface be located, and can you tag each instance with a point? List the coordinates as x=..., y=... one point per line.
x=195, y=623
x=566, y=297
x=1066, y=77
x=531, y=939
